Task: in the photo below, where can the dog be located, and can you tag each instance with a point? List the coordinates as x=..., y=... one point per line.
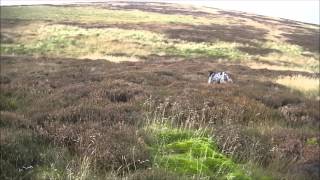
x=219, y=77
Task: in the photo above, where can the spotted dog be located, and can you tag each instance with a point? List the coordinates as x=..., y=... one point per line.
x=219, y=77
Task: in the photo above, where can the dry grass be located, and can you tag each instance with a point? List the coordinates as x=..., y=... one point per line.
x=306, y=85
x=257, y=65
x=115, y=59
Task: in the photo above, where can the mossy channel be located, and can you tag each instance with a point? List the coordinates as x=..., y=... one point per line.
x=191, y=153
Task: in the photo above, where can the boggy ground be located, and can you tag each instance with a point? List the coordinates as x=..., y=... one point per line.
x=65, y=115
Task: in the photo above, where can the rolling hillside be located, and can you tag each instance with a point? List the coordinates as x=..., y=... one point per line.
x=119, y=91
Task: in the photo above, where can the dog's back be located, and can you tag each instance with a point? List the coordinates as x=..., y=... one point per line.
x=218, y=77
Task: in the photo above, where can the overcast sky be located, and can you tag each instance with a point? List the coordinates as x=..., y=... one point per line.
x=300, y=10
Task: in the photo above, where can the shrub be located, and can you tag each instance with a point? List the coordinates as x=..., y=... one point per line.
x=23, y=153
x=119, y=148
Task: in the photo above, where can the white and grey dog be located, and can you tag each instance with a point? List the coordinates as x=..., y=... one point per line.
x=219, y=77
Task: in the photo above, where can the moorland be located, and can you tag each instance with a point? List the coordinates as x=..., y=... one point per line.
x=119, y=90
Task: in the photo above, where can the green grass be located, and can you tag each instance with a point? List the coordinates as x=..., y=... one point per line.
x=217, y=50
x=286, y=48
x=68, y=41
x=187, y=152
x=8, y=102
x=288, y=55
x=76, y=42
x=312, y=141
x=95, y=15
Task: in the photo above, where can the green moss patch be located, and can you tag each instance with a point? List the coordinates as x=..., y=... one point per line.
x=187, y=152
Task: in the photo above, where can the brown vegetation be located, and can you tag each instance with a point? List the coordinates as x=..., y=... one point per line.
x=97, y=112
x=63, y=116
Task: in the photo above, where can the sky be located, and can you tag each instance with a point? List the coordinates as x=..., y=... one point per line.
x=299, y=10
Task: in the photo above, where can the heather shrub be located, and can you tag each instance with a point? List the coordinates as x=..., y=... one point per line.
x=119, y=149
x=23, y=153
x=244, y=144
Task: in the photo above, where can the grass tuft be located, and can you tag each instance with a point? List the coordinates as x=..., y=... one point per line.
x=7, y=102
